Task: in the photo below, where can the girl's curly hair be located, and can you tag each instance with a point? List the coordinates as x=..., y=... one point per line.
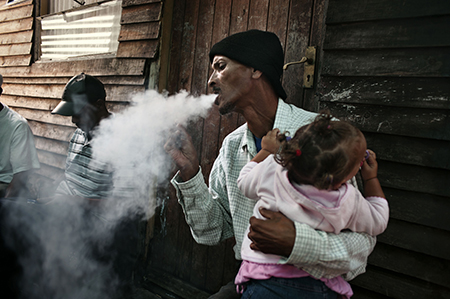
x=320, y=154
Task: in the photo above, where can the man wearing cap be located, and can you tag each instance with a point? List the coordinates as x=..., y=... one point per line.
x=18, y=157
x=89, y=181
x=247, y=69
x=84, y=100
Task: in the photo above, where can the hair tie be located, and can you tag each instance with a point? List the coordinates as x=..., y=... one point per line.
x=298, y=153
x=329, y=127
x=288, y=138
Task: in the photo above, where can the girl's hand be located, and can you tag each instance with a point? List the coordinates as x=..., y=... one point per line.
x=369, y=169
x=270, y=142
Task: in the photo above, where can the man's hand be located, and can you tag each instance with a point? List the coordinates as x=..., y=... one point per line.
x=180, y=147
x=276, y=235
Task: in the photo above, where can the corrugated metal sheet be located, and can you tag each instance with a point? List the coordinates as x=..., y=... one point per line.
x=84, y=31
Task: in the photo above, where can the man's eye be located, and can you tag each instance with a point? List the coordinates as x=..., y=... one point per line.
x=222, y=66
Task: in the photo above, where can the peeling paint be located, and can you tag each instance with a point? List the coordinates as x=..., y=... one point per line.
x=385, y=124
x=339, y=96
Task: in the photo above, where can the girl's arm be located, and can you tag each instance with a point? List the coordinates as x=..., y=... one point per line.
x=369, y=172
x=269, y=145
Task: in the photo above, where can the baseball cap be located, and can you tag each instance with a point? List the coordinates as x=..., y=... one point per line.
x=78, y=92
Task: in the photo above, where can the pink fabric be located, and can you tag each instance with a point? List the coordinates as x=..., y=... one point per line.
x=250, y=270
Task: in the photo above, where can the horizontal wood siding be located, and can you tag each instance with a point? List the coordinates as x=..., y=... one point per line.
x=34, y=89
x=386, y=68
x=16, y=27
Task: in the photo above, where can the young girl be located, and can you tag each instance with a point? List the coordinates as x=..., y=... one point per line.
x=305, y=179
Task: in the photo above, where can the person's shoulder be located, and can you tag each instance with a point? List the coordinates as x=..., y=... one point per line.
x=292, y=117
x=237, y=134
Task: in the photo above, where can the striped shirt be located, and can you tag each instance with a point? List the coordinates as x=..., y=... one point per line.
x=222, y=211
x=85, y=176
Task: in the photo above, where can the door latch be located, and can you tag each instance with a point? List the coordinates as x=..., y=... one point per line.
x=310, y=62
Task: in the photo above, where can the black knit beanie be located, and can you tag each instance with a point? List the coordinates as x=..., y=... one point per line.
x=258, y=49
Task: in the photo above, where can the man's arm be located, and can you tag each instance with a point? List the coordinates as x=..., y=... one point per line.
x=206, y=210
x=18, y=187
x=318, y=253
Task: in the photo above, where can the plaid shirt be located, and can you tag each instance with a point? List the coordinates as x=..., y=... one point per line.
x=221, y=212
x=85, y=176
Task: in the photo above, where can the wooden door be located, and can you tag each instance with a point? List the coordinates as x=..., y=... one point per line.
x=196, y=26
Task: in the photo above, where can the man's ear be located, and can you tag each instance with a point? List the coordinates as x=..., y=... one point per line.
x=256, y=74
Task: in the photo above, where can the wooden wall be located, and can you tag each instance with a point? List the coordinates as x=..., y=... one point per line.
x=386, y=67
x=33, y=88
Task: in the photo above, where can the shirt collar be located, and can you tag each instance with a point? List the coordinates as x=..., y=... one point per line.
x=249, y=143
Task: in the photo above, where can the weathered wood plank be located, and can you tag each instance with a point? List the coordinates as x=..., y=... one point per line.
x=126, y=3
x=138, y=49
x=419, y=208
x=141, y=14
x=20, y=60
x=17, y=25
x=52, y=146
x=389, y=91
x=49, y=79
x=16, y=37
x=51, y=173
x=317, y=35
x=426, y=62
x=139, y=31
x=212, y=122
x=423, y=32
x=239, y=16
x=29, y=90
x=424, y=123
x=120, y=93
x=166, y=243
x=258, y=14
x=177, y=286
x=94, y=67
x=383, y=9
x=6, y=7
x=361, y=293
x=393, y=285
x=15, y=13
x=415, y=151
x=29, y=102
x=296, y=42
x=44, y=116
x=191, y=19
x=199, y=269
x=417, y=238
x=410, y=263
x=238, y=22
x=278, y=16
x=57, y=132
x=414, y=178
x=51, y=159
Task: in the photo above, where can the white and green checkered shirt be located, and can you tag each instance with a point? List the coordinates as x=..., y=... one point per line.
x=221, y=212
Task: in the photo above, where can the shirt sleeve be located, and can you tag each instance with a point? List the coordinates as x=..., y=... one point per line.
x=371, y=215
x=206, y=210
x=23, y=152
x=248, y=182
x=327, y=255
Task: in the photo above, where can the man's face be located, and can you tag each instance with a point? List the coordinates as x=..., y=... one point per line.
x=231, y=81
x=87, y=118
